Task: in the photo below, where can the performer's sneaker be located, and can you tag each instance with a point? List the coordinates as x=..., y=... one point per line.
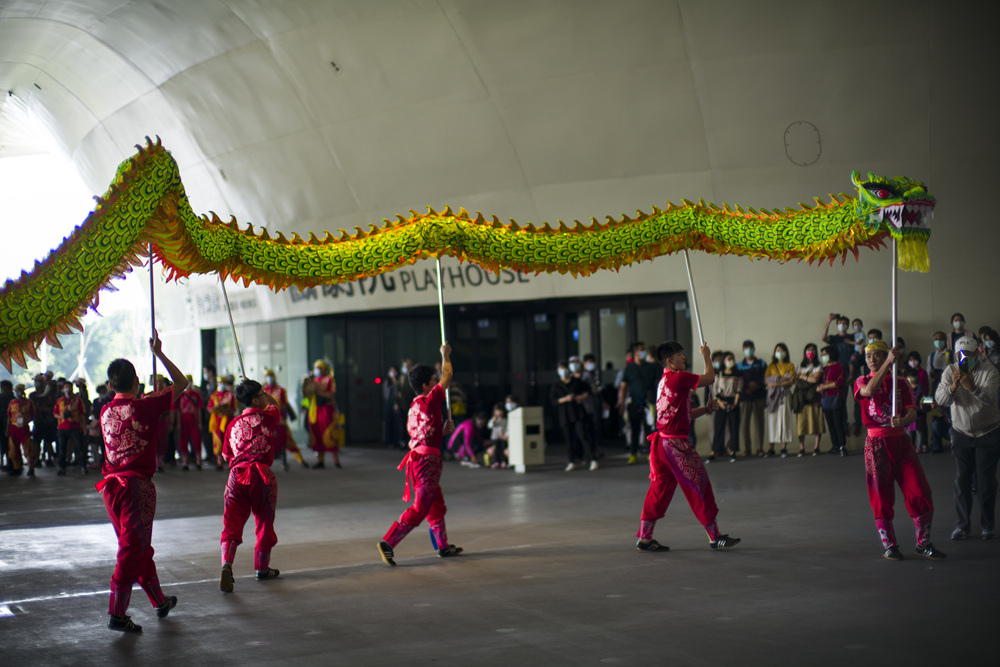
x=226, y=579
x=319, y=466
x=123, y=624
x=892, y=553
x=169, y=603
x=989, y=534
x=959, y=534
x=450, y=550
x=31, y=472
x=652, y=545
x=593, y=465
x=928, y=551
x=725, y=542
x=385, y=551
x=269, y=573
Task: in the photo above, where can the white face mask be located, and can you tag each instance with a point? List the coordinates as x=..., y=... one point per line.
x=716, y=365
x=857, y=327
x=510, y=406
x=914, y=363
x=825, y=358
x=990, y=344
x=958, y=324
x=779, y=355
x=842, y=328
x=563, y=373
x=730, y=363
x=574, y=367
x=269, y=379
x=590, y=366
x=748, y=352
x=317, y=372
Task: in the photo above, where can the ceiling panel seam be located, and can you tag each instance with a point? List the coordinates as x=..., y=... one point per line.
x=493, y=104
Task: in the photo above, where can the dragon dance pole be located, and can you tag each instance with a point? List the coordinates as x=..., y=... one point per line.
x=447, y=392
x=694, y=299
x=892, y=343
x=232, y=325
x=152, y=312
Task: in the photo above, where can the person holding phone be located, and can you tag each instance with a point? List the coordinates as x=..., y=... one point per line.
x=969, y=387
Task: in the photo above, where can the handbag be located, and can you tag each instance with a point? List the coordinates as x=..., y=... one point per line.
x=830, y=402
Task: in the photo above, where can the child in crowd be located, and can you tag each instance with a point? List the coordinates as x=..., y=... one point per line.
x=252, y=487
x=423, y=462
x=917, y=430
x=496, y=449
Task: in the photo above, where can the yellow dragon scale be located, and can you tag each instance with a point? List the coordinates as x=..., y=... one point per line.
x=146, y=204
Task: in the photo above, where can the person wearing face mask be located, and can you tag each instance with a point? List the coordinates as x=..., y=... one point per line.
x=638, y=382
x=321, y=390
x=69, y=412
x=921, y=388
x=567, y=395
x=937, y=361
x=753, y=399
x=779, y=377
x=221, y=409
x=20, y=412
x=957, y=332
x=728, y=384
x=991, y=351
x=831, y=400
x=284, y=442
x=592, y=403
x=843, y=339
x=190, y=406
x=805, y=400
x=969, y=387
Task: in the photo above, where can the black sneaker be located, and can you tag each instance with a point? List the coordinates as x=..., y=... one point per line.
x=385, y=551
x=338, y=466
x=269, y=573
x=843, y=451
x=185, y=468
x=652, y=545
x=450, y=550
x=31, y=472
x=123, y=624
x=725, y=542
x=226, y=579
x=928, y=551
x=319, y=466
x=169, y=603
x=892, y=553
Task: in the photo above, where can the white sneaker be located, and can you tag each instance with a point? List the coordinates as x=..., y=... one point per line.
x=593, y=465
x=570, y=466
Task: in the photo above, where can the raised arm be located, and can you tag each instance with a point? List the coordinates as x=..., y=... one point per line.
x=876, y=382
x=826, y=329
x=709, y=377
x=446, y=371
x=176, y=376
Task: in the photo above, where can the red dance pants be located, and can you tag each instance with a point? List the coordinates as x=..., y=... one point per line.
x=131, y=503
x=250, y=489
x=190, y=437
x=890, y=460
x=424, y=472
x=673, y=460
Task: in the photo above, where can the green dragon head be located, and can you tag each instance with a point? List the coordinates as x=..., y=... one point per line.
x=902, y=207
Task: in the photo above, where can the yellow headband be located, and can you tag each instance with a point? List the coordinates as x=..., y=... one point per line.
x=877, y=346
x=321, y=363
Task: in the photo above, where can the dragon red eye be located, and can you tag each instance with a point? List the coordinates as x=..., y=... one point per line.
x=883, y=194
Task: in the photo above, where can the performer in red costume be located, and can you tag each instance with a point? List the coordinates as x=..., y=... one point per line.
x=889, y=455
x=321, y=390
x=249, y=448
x=221, y=408
x=20, y=412
x=423, y=462
x=672, y=457
x=190, y=405
x=283, y=440
x=128, y=425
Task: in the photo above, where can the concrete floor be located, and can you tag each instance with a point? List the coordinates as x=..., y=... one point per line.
x=550, y=575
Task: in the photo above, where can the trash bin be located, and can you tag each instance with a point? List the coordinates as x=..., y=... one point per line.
x=526, y=438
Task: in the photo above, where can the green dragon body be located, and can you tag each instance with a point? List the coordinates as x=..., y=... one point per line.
x=146, y=204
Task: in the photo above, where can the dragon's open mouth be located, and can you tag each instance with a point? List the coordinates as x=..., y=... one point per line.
x=911, y=215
